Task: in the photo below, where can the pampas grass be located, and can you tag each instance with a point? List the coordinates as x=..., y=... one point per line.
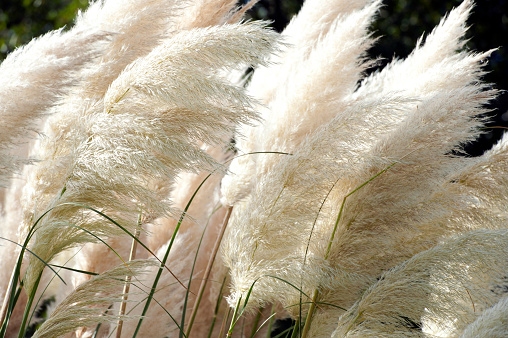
x=38, y=74
x=353, y=209
x=436, y=291
x=89, y=303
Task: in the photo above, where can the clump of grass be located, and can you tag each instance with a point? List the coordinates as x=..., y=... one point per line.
x=347, y=208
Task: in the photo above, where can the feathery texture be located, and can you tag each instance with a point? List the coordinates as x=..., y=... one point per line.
x=89, y=303
x=137, y=27
x=438, y=64
x=380, y=177
x=327, y=70
x=205, y=13
x=492, y=323
x=157, y=106
x=285, y=204
x=439, y=291
x=364, y=204
x=33, y=78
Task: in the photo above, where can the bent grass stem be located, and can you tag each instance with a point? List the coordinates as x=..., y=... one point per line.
x=315, y=296
x=126, y=287
x=209, y=269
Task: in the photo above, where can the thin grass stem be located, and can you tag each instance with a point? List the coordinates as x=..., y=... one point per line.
x=5, y=304
x=224, y=323
x=255, y=323
x=310, y=314
x=315, y=296
x=31, y=297
x=126, y=287
x=209, y=268
x=166, y=255
x=297, y=327
x=270, y=322
x=217, y=306
x=234, y=320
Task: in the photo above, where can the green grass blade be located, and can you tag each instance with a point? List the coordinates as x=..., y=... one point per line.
x=24, y=322
x=182, y=325
x=163, y=265
x=255, y=324
x=166, y=255
x=217, y=306
x=75, y=270
x=35, y=255
x=208, y=270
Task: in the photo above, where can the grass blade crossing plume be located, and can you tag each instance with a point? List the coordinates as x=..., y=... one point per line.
x=89, y=302
x=352, y=208
x=442, y=289
x=105, y=149
x=410, y=118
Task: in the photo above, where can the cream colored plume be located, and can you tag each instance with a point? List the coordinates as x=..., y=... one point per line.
x=438, y=64
x=90, y=303
x=484, y=180
x=285, y=205
x=33, y=78
x=137, y=26
x=204, y=13
x=315, y=20
x=438, y=292
x=146, y=130
x=325, y=68
x=492, y=323
x=379, y=177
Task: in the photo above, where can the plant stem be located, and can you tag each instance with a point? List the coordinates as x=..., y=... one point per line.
x=164, y=260
x=7, y=297
x=126, y=287
x=256, y=322
x=217, y=306
x=28, y=307
x=233, y=320
x=208, y=269
x=270, y=323
x=296, y=328
x=330, y=242
x=224, y=323
x=308, y=320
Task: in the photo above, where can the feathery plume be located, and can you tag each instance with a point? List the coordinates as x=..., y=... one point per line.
x=285, y=205
x=490, y=323
x=442, y=288
x=155, y=103
x=205, y=13
x=331, y=200
x=32, y=80
x=327, y=70
x=438, y=64
x=136, y=27
x=89, y=303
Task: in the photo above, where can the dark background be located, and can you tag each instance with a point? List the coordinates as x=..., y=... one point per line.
x=400, y=23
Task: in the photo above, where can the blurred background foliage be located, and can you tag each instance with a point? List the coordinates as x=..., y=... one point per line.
x=399, y=25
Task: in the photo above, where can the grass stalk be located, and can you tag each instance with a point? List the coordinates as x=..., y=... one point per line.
x=166, y=256
x=26, y=315
x=224, y=323
x=310, y=314
x=208, y=269
x=297, y=326
x=217, y=306
x=270, y=322
x=234, y=320
x=7, y=297
x=126, y=287
x=255, y=324
x=315, y=296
